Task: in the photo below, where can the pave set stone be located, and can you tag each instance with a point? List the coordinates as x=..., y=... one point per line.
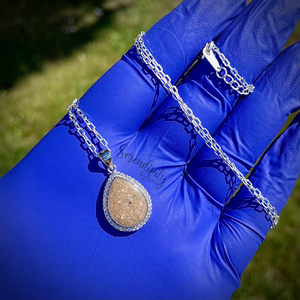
x=126, y=203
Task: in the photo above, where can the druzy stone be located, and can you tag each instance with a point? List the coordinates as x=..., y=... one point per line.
x=126, y=203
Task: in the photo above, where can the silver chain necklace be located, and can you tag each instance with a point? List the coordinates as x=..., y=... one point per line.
x=126, y=203
x=125, y=215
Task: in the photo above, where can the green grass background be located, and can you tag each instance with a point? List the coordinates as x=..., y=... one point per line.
x=53, y=51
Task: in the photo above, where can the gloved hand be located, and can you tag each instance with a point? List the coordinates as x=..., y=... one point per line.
x=55, y=240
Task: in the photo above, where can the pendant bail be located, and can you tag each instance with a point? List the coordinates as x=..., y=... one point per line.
x=106, y=158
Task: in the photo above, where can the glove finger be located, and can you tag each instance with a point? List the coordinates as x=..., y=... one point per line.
x=244, y=224
x=120, y=101
x=209, y=102
x=250, y=128
x=250, y=43
x=176, y=40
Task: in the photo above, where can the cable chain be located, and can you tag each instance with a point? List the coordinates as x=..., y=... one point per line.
x=157, y=69
x=240, y=85
x=90, y=126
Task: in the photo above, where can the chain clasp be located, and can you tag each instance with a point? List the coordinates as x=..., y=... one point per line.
x=209, y=55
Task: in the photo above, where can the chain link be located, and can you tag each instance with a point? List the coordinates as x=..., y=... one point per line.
x=236, y=82
x=90, y=126
x=165, y=80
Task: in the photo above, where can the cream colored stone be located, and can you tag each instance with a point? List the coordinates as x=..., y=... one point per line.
x=126, y=204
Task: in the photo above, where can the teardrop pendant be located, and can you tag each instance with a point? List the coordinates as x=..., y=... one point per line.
x=126, y=203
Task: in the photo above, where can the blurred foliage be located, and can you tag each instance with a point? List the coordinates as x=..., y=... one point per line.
x=33, y=31
x=53, y=51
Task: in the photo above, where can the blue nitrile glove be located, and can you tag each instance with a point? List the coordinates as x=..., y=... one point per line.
x=55, y=240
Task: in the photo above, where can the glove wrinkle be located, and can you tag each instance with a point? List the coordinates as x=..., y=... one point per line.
x=220, y=249
x=211, y=199
x=207, y=87
x=244, y=207
x=240, y=239
x=231, y=221
x=222, y=266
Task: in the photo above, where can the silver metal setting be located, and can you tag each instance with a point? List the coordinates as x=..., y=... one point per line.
x=165, y=80
x=138, y=186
